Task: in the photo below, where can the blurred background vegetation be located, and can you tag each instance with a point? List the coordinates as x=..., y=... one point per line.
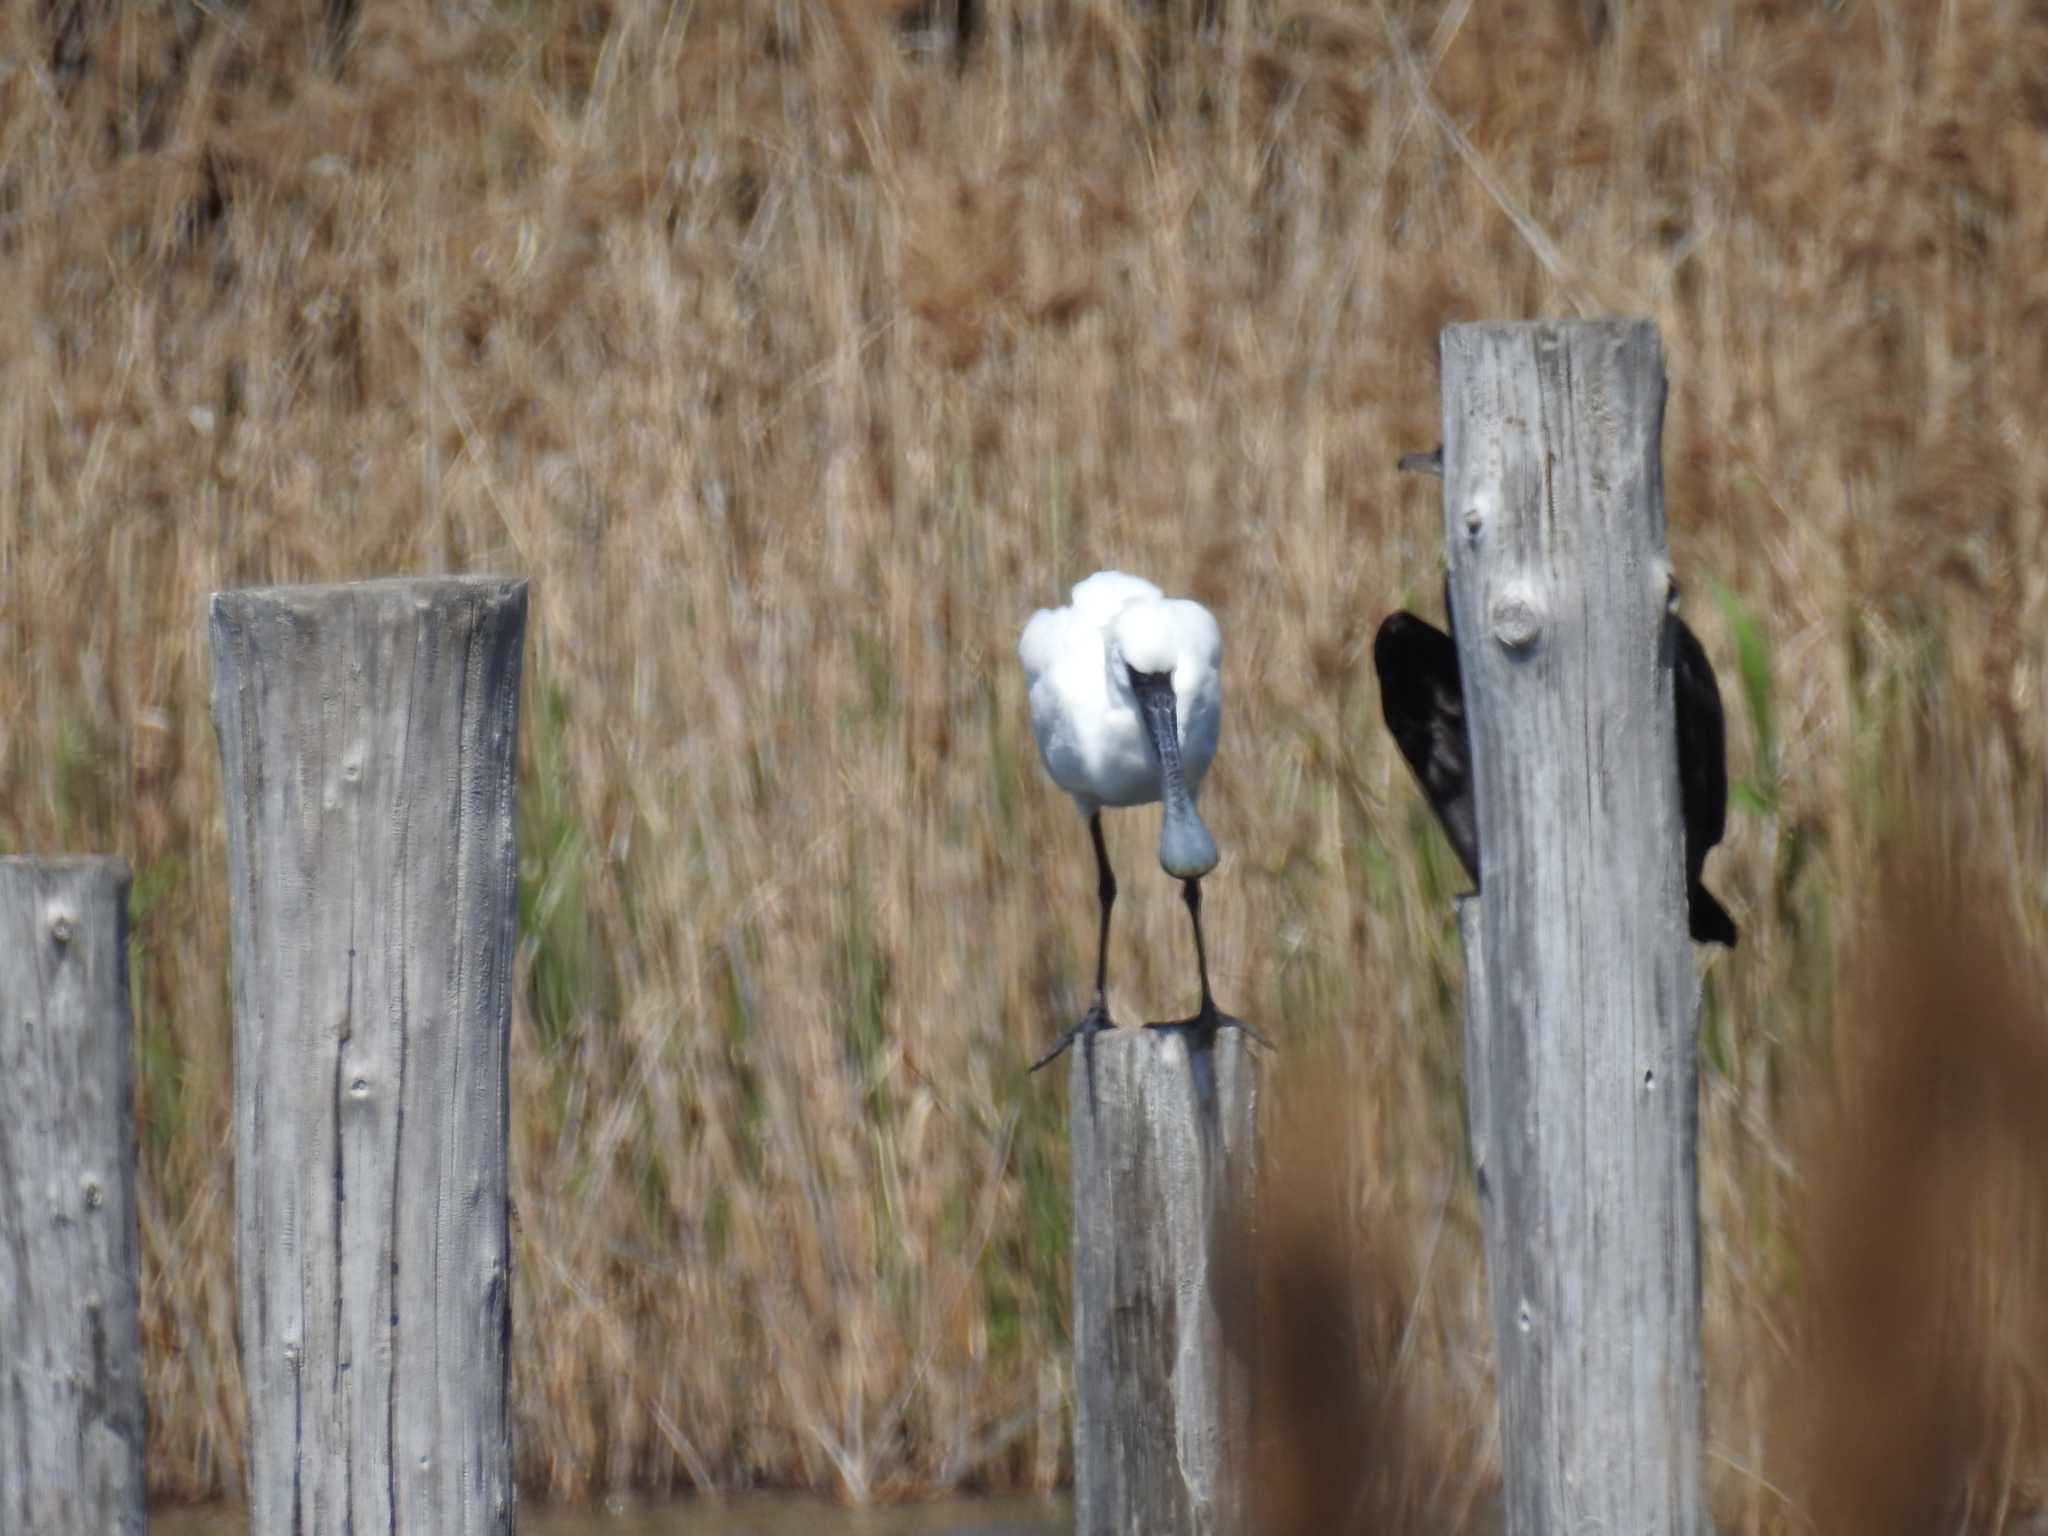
x=797, y=351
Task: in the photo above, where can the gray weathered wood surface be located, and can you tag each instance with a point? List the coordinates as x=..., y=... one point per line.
x=1580, y=983
x=1164, y=1164
x=367, y=739
x=71, y=1413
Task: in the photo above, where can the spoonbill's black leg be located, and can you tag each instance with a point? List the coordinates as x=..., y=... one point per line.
x=1209, y=1018
x=1096, y=1018
x=1105, y=894
x=1191, y=891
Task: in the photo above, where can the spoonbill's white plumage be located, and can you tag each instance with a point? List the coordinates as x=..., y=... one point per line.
x=1126, y=703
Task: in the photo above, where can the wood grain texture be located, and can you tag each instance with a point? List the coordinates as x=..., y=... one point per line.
x=71, y=1411
x=1164, y=1163
x=1580, y=986
x=367, y=738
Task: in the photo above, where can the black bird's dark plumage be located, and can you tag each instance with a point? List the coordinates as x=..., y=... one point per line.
x=1702, y=775
x=1423, y=698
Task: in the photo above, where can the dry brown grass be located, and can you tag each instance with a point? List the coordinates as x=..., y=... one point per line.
x=795, y=367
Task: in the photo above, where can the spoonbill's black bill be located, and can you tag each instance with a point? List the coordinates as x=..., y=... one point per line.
x=1126, y=703
x=1422, y=696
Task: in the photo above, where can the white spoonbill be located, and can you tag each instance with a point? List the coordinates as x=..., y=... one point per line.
x=1126, y=703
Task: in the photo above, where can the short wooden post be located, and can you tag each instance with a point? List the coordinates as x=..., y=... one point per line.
x=1164, y=1158
x=71, y=1413
x=1580, y=990
x=367, y=739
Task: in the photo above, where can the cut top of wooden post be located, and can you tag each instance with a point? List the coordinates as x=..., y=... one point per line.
x=422, y=591
x=300, y=609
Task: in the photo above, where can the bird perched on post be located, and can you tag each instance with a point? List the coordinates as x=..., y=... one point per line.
x=1126, y=703
x=1423, y=698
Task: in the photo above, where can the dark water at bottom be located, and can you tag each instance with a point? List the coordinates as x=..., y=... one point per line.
x=747, y=1515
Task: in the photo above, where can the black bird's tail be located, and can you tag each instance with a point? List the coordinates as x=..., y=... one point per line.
x=1710, y=921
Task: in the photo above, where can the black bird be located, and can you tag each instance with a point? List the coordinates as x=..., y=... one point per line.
x=1423, y=699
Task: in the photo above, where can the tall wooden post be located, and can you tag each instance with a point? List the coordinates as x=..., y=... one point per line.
x=71, y=1412
x=1580, y=995
x=367, y=739
x=1164, y=1158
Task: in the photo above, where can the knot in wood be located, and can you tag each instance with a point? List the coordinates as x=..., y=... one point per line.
x=1517, y=615
x=62, y=925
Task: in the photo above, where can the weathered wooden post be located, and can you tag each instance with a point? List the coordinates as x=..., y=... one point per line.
x=71, y=1413
x=367, y=739
x=1580, y=990
x=1164, y=1158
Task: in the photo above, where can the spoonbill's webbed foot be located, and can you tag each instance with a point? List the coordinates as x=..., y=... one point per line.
x=1086, y=1028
